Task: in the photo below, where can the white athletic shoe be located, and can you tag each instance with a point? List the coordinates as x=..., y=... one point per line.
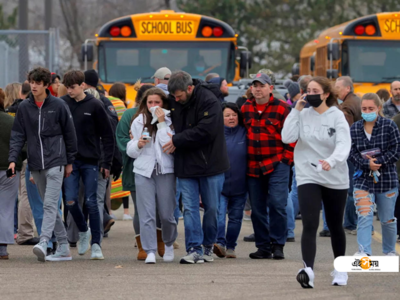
x=127, y=217
x=151, y=258
x=339, y=278
x=169, y=253
x=361, y=253
x=306, y=277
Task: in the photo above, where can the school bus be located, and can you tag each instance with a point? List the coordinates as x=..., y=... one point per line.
x=135, y=46
x=367, y=49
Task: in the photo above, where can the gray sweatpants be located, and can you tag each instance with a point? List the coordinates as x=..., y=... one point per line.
x=49, y=184
x=158, y=191
x=72, y=229
x=8, y=196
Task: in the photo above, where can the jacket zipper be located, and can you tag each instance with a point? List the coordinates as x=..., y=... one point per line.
x=40, y=139
x=205, y=160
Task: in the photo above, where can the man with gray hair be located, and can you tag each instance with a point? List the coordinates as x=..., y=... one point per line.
x=303, y=82
x=351, y=107
x=350, y=104
x=200, y=160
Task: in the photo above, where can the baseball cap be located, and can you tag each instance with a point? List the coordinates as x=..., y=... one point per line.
x=161, y=73
x=263, y=78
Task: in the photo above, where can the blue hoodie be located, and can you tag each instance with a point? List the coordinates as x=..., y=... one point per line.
x=235, y=177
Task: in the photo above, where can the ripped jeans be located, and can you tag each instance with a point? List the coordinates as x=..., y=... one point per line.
x=365, y=204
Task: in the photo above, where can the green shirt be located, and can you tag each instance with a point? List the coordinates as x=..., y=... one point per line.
x=122, y=136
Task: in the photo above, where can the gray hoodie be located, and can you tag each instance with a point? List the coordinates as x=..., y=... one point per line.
x=319, y=137
x=164, y=87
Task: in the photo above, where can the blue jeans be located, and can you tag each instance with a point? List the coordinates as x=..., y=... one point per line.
x=89, y=174
x=210, y=189
x=177, y=212
x=270, y=191
x=36, y=203
x=234, y=205
x=325, y=225
x=292, y=208
x=350, y=214
x=385, y=202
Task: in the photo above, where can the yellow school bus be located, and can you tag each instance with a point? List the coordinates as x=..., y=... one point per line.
x=135, y=46
x=367, y=49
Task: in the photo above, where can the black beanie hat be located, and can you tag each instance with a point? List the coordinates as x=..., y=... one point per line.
x=91, y=78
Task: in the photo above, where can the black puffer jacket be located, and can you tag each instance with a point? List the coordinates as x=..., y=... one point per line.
x=49, y=132
x=199, y=134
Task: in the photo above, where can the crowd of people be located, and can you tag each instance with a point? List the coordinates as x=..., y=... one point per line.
x=181, y=146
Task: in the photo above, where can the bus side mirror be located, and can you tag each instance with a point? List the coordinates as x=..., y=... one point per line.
x=332, y=73
x=87, y=52
x=333, y=50
x=246, y=61
x=296, y=69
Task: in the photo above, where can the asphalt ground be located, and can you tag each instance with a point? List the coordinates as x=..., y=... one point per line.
x=121, y=276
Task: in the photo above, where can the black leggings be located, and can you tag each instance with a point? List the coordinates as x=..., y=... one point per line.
x=125, y=201
x=310, y=197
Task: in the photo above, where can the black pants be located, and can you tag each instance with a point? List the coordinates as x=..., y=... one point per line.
x=310, y=196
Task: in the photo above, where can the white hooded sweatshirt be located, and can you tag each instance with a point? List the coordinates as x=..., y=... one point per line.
x=319, y=137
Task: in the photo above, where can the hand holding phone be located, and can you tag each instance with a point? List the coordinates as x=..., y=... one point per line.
x=11, y=170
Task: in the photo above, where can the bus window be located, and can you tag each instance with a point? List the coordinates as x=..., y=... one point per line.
x=374, y=62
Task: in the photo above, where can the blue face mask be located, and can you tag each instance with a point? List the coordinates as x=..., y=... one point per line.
x=369, y=117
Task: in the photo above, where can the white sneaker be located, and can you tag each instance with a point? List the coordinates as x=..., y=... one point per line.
x=97, y=254
x=391, y=254
x=169, y=253
x=127, y=218
x=84, y=242
x=306, y=277
x=361, y=253
x=40, y=250
x=151, y=258
x=339, y=278
x=62, y=254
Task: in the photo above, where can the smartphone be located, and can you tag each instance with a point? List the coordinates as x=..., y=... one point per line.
x=104, y=174
x=9, y=173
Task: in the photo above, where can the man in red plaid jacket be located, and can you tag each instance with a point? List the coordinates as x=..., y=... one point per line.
x=268, y=167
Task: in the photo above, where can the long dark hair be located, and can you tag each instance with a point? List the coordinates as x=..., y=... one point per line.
x=118, y=90
x=235, y=108
x=327, y=87
x=144, y=110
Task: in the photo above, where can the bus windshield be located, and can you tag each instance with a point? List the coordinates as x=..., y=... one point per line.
x=129, y=61
x=372, y=61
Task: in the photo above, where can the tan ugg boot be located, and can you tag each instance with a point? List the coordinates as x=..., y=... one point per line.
x=160, y=243
x=142, y=255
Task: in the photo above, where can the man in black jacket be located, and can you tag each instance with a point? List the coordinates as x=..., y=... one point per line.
x=45, y=123
x=91, y=123
x=200, y=160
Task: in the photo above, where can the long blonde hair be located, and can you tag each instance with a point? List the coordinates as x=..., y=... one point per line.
x=12, y=92
x=377, y=101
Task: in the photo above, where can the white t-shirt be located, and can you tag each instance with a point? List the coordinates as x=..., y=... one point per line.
x=368, y=135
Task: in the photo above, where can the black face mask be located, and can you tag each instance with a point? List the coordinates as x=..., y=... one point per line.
x=314, y=100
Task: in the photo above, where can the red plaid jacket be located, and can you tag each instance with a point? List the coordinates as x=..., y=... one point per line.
x=265, y=148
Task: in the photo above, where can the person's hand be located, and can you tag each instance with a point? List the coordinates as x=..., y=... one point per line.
x=301, y=103
x=12, y=167
x=130, y=135
x=32, y=180
x=169, y=147
x=105, y=172
x=160, y=114
x=142, y=142
x=372, y=165
x=67, y=171
x=325, y=165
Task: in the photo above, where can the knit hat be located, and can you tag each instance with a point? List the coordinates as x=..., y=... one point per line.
x=293, y=88
x=216, y=80
x=91, y=78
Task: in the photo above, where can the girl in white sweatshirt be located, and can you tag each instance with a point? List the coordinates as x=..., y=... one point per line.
x=323, y=145
x=154, y=174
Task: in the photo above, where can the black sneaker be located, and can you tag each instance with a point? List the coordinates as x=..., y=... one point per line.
x=49, y=251
x=298, y=217
x=325, y=233
x=277, y=252
x=249, y=238
x=31, y=242
x=261, y=254
x=72, y=245
x=290, y=240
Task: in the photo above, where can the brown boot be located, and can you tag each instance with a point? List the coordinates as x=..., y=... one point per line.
x=142, y=255
x=160, y=243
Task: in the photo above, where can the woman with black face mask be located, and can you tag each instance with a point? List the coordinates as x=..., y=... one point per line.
x=323, y=145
